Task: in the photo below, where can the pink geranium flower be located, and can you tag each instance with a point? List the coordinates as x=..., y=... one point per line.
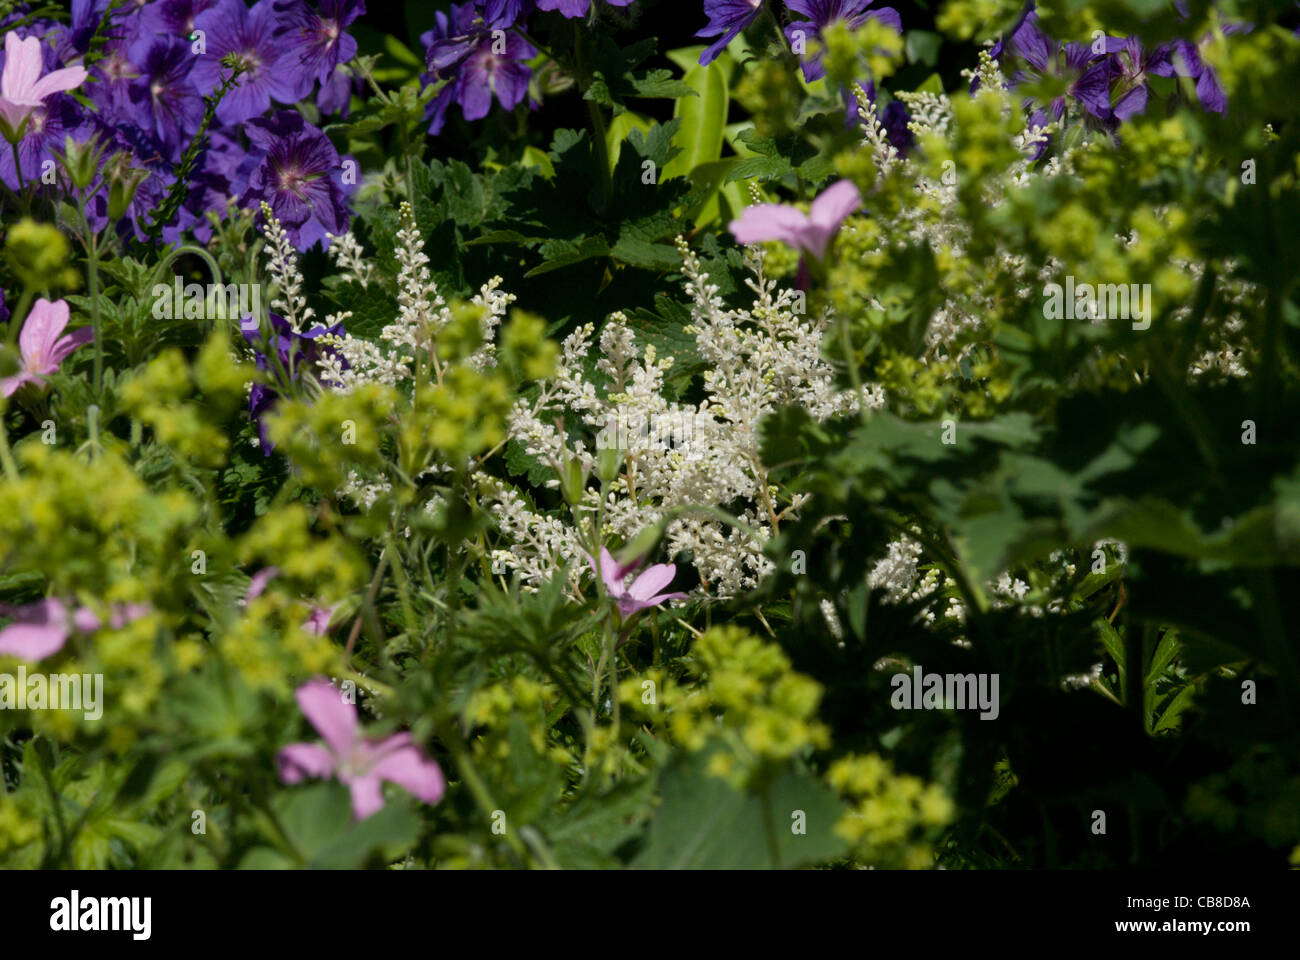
x=643, y=592
x=39, y=343
x=810, y=232
x=22, y=88
x=41, y=629
x=360, y=763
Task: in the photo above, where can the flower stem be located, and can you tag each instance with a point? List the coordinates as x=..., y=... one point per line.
x=18, y=172
x=597, y=120
x=6, y=455
x=92, y=261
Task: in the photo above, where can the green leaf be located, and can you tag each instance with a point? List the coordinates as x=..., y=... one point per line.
x=313, y=817
x=586, y=834
x=922, y=46
x=385, y=835
x=533, y=157
x=706, y=182
x=704, y=824
x=564, y=253
x=1164, y=655
x=1171, y=718
x=619, y=128
x=702, y=119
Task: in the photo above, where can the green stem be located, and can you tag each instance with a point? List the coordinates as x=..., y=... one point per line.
x=597, y=120
x=6, y=455
x=403, y=585
x=92, y=261
x=479, y=791
x=850, y=361
x=191, y=249
x=18, y=171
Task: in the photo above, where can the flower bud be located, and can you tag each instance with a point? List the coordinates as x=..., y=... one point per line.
x=608, y=463
x=81, y=162
x=125, y=180
x=640, y=546
x=573, y=480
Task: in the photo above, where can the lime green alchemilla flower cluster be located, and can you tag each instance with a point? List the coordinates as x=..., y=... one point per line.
x=38, y=255
x=747, y=696
x=493, y=710
x=893, y=817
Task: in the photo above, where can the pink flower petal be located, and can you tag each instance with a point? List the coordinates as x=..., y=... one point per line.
x=834, y=204
x=333, y=719
x=769, y=221
x=367, y=798
x=654, y=579
x=628, y=606
x=22, y=67
x=257, y=585
x=66, y=345
x=828, y=211
x=39, y=630
x=40, y=330
x=409, y=768
x=32, y=642
x=56, y=81
x=10, y=385
x=128, y=613
x=611, y=573
x=300, y=761
x=318, y=622
x=84, y=619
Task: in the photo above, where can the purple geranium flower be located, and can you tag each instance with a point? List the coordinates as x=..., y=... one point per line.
x=360, y=763
x=257, y=37
x=115, y=73
x=175, y=17
x=1131, y=64
x=164, y=99
x=335, y=94
x=297, y=177
x=1089, y=72
x=132, y=157
x=315, y=40
x=728, y=18
x=641, y=593
x=810, y=232
x=894, y=118
x=224, y=170
x=73, y=41
x=1184, y=60
x=42, y=140
x=822, y=13
x=478, y=61
x=504, y=14
x=575, y=8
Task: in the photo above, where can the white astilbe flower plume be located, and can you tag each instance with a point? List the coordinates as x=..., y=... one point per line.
x=674, y=455
x=283, y=267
